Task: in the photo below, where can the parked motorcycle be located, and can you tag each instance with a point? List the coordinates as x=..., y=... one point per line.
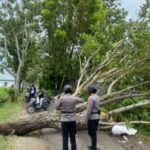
x=35, y=107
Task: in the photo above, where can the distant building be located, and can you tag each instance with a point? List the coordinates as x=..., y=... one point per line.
x=6, y=79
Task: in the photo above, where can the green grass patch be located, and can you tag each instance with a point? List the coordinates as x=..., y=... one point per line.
x=143, y=131
x=9, y=111
x=6, y=142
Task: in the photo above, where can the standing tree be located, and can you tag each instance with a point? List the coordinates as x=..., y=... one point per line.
x=18, y=29
x=65, y=21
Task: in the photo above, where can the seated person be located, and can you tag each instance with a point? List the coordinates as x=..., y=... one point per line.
x=39, y=96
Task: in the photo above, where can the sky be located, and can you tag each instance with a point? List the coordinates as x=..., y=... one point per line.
x=133, y=7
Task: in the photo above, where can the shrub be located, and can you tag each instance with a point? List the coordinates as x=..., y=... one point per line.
x=11, y=93
x=48, y=94
x=4, y=95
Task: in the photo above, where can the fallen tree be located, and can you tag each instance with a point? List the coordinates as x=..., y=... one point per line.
x=101, y=73
x=33, y=123
x=131, y=122
x=52, y=120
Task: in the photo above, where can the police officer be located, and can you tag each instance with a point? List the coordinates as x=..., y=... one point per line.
x=92, y=116
x=66, y=105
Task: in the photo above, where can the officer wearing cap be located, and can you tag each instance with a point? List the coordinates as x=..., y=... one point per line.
x=92, y=116
x=66, y=105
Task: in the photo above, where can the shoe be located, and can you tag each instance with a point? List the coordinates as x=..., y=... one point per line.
x=89, y=147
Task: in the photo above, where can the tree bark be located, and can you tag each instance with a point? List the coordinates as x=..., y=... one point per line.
x=17, y=79
x=130, y=107
x=51, y=120
x=36, y=122
x=131, y=122
x=121, y=97
x=21, y=53
x=27, y=125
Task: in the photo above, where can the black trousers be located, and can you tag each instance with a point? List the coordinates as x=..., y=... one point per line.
x=69, y=130
x=92, y=129
x=32, y=95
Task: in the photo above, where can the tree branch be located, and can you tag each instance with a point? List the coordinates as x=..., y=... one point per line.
x=17, y=46
x=124, y=123
x=118, y=98
x=83, y=70
x=113, y=83
x=129, y=107
x=104, y=97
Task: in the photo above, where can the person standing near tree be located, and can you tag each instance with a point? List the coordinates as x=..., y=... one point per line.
x=66, y=105
x=32, y=91
x=92, y=116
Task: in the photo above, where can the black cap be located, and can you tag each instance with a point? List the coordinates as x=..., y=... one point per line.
x=67, y=88
x=91, y=89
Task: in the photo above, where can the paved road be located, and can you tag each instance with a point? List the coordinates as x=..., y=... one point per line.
x=50, y=139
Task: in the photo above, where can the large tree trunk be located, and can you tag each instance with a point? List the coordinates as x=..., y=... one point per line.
x=27, y=125
x=18, y=78
x=21, y=53
x=30, y=124
x=52, y=120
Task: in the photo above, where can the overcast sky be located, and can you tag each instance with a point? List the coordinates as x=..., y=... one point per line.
x=133, y=7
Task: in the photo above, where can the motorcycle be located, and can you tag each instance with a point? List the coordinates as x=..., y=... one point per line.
x=35, y=107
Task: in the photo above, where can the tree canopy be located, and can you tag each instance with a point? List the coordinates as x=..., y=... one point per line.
x=54, y=42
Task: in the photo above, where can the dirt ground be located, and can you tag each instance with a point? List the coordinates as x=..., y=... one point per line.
x=50, y=139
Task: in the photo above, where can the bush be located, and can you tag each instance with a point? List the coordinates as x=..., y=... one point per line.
x=4, y=95
x=21, y=96
x=48, y=94
x=11, y=93
x=3, y=99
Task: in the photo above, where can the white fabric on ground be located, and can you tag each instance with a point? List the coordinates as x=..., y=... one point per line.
x=123, y=129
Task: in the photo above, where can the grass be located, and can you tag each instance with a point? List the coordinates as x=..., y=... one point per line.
x=9, y=112
x=6, y=142
x=143, y=131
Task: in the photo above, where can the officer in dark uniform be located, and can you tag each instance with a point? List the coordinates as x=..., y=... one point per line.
x=92, y=116
x=66, y=105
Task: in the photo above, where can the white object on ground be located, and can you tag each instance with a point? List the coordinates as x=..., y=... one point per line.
x=123, y=129
x=140, y=142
